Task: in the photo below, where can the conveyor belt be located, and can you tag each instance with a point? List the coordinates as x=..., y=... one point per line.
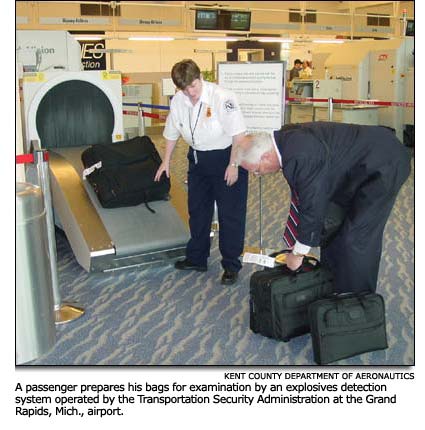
x=109, y=239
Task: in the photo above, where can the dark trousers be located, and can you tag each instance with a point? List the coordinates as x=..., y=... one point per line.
x=353, y=256
x=206, y=185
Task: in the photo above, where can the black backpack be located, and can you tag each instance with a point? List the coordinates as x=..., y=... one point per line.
x=122, y=173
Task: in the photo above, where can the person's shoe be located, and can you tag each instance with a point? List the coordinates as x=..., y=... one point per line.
x=188, y=265
x=229, y=277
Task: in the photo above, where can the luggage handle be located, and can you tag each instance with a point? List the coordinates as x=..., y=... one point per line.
x=312, y=261
x=361, y=296
x=309, y=261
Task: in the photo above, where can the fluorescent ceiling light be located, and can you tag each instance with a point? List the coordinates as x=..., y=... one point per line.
x=217, y=39
x=82, y=37
x=328, y=41
x=162, y=38
x=276, y=40
x=208, y=51
x=110, y=51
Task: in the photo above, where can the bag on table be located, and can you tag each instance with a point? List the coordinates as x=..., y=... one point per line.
x=122, y=173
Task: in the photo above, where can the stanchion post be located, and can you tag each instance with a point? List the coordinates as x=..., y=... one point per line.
x=44, y=182
x=330, y=108
x=259, y=249
x=64, y=312
x=140, y=120
x=260, y=215
x=215, y=226
x=404, y=20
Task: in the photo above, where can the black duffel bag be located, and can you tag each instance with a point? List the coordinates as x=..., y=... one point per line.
x=346, y=325
x=122, y=173
x=279, y=298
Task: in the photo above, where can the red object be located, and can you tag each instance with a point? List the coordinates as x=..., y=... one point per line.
x=154, y=115
x=29, y=158
x=146, y=114
x=290, y=234
x=24, y=158
x=125, y=79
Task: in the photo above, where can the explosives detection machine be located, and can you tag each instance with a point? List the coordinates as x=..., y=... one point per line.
x=65, y=112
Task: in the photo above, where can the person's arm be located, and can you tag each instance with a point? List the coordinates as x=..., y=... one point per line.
x=232, y=170
x=171, y=134
x=307, y=170
x=295, y=258
x=165, y=165
x=233, y=123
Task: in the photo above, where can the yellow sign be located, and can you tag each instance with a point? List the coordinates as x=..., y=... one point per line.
x=118, y=137
x=110, y=75
x=34, y=77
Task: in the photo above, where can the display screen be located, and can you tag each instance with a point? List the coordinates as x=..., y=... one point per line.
x=222, y=20
x=206, y=20
x=240, y=21
x=410, y=28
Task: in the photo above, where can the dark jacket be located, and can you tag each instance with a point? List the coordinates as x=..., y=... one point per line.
x=294, y=73
x=325, y=162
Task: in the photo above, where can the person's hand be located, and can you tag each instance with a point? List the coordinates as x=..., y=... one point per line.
x=231, y=175
x=164, y=167
x=294, y=261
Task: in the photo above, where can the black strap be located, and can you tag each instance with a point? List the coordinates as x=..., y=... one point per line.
x=339, y=297
x=146, y=203
x=192, y=132
x=149, y=208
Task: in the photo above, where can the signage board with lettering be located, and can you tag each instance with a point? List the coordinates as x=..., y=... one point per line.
x=93, y=60
x=53, y=20
x=151, y=22
x=260, y=89
x=42, y=50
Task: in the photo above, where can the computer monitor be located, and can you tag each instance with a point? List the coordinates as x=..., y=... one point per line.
x=240, y=21
x=410, y=27
x=227, y=20
x=206, y=20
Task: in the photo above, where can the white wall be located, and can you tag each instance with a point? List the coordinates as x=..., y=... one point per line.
x=158, y=56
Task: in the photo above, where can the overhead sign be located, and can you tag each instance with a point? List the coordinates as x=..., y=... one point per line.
x=316, y=27
x=93, y=60
x=21, y=20
x=73, y=20
x=150, y=22
x=374, y=29
x=260, y=91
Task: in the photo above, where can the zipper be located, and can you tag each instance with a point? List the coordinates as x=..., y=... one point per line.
x=375, y=326
x=323, y=335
